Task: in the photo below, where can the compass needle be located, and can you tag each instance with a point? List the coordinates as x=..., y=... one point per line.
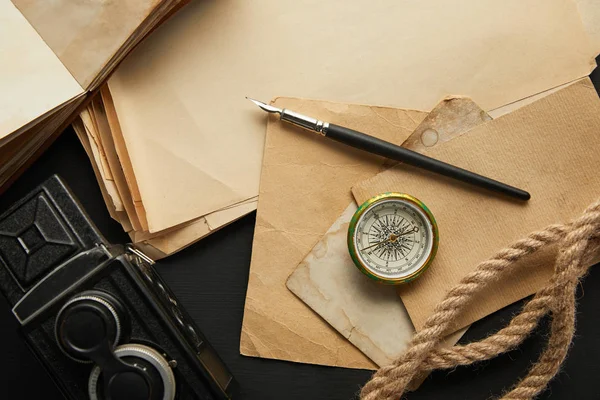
x=388, y=224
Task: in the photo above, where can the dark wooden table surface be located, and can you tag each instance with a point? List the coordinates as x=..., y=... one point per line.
x=210, y=280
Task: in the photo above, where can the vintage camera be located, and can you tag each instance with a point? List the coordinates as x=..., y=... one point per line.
x=97, y=315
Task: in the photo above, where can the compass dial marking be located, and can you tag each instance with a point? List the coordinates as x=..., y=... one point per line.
x=394, y=238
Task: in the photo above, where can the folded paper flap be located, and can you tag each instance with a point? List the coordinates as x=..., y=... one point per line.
x=549, y=147
x=303, y=165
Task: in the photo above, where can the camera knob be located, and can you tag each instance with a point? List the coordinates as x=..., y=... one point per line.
x=86, y=321
x=153, y=380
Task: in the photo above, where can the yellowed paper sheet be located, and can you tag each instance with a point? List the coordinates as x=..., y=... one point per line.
x=451, y=118
x=98, y=157
x=215, y=221
x=119, y=216
x=30, y=142
x=123, y=155
x=105, y=136
x=368, y=314
x=33, y=81
x=191, y=233
x=180, y=94
x=305, y=186
x=85, y=34
x=590, y=15
x=549, y=148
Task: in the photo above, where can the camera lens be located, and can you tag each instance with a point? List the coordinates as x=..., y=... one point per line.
x=159, y=384
x=86, y=321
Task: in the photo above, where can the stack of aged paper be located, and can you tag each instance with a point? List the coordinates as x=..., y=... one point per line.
x=104, y=143
x=195, y=144
x=368, y=314
x=54, y=53
x=519, y=147
x=495, y=43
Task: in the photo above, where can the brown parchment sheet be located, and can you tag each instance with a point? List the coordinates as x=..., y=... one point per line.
x=305, y=186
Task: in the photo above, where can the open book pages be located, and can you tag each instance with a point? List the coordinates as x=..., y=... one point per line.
x=55, y=53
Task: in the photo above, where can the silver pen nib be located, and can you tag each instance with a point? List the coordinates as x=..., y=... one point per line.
x=295, y=118
x=266, y=107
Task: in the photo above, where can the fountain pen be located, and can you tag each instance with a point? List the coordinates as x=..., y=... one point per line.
x=389, y=150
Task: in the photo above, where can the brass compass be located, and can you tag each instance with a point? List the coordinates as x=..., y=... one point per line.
x=393, y=238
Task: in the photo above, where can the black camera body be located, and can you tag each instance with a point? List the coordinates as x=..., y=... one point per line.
x=98, y=316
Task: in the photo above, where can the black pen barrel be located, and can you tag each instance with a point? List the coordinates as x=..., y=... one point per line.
x=380, y=147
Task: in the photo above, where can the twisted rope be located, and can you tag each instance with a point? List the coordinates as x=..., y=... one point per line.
x=557, y=298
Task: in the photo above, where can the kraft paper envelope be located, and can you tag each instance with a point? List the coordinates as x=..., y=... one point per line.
x=549, y=148
x=190, y=131
x=305, y=185
x=368, y=314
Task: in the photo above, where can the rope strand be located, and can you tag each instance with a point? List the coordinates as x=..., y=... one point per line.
x=556, y=298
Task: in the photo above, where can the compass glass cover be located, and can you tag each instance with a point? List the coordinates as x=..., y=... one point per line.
x=394, y=239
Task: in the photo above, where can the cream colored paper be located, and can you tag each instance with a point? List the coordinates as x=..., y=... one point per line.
x=304, y=188
x=549, y=148
x=33, y=81
x=85, y=34
x=109, y=158
x=163, y=245
x=82, y=133
x=98, y=156
x=368, y=314
x=590, y=15
x=180, y=95
x=123, y=156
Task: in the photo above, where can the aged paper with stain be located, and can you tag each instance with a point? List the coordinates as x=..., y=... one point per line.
x=33, y=81
x=590, y=15
x=85, y=35
x=304, y=188
x=454, y=116
x=368, y=314
x=549, y=148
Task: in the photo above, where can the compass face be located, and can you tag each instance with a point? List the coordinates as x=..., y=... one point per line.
x=393, y=238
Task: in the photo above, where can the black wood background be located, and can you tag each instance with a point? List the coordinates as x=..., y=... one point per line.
x=210, y=280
